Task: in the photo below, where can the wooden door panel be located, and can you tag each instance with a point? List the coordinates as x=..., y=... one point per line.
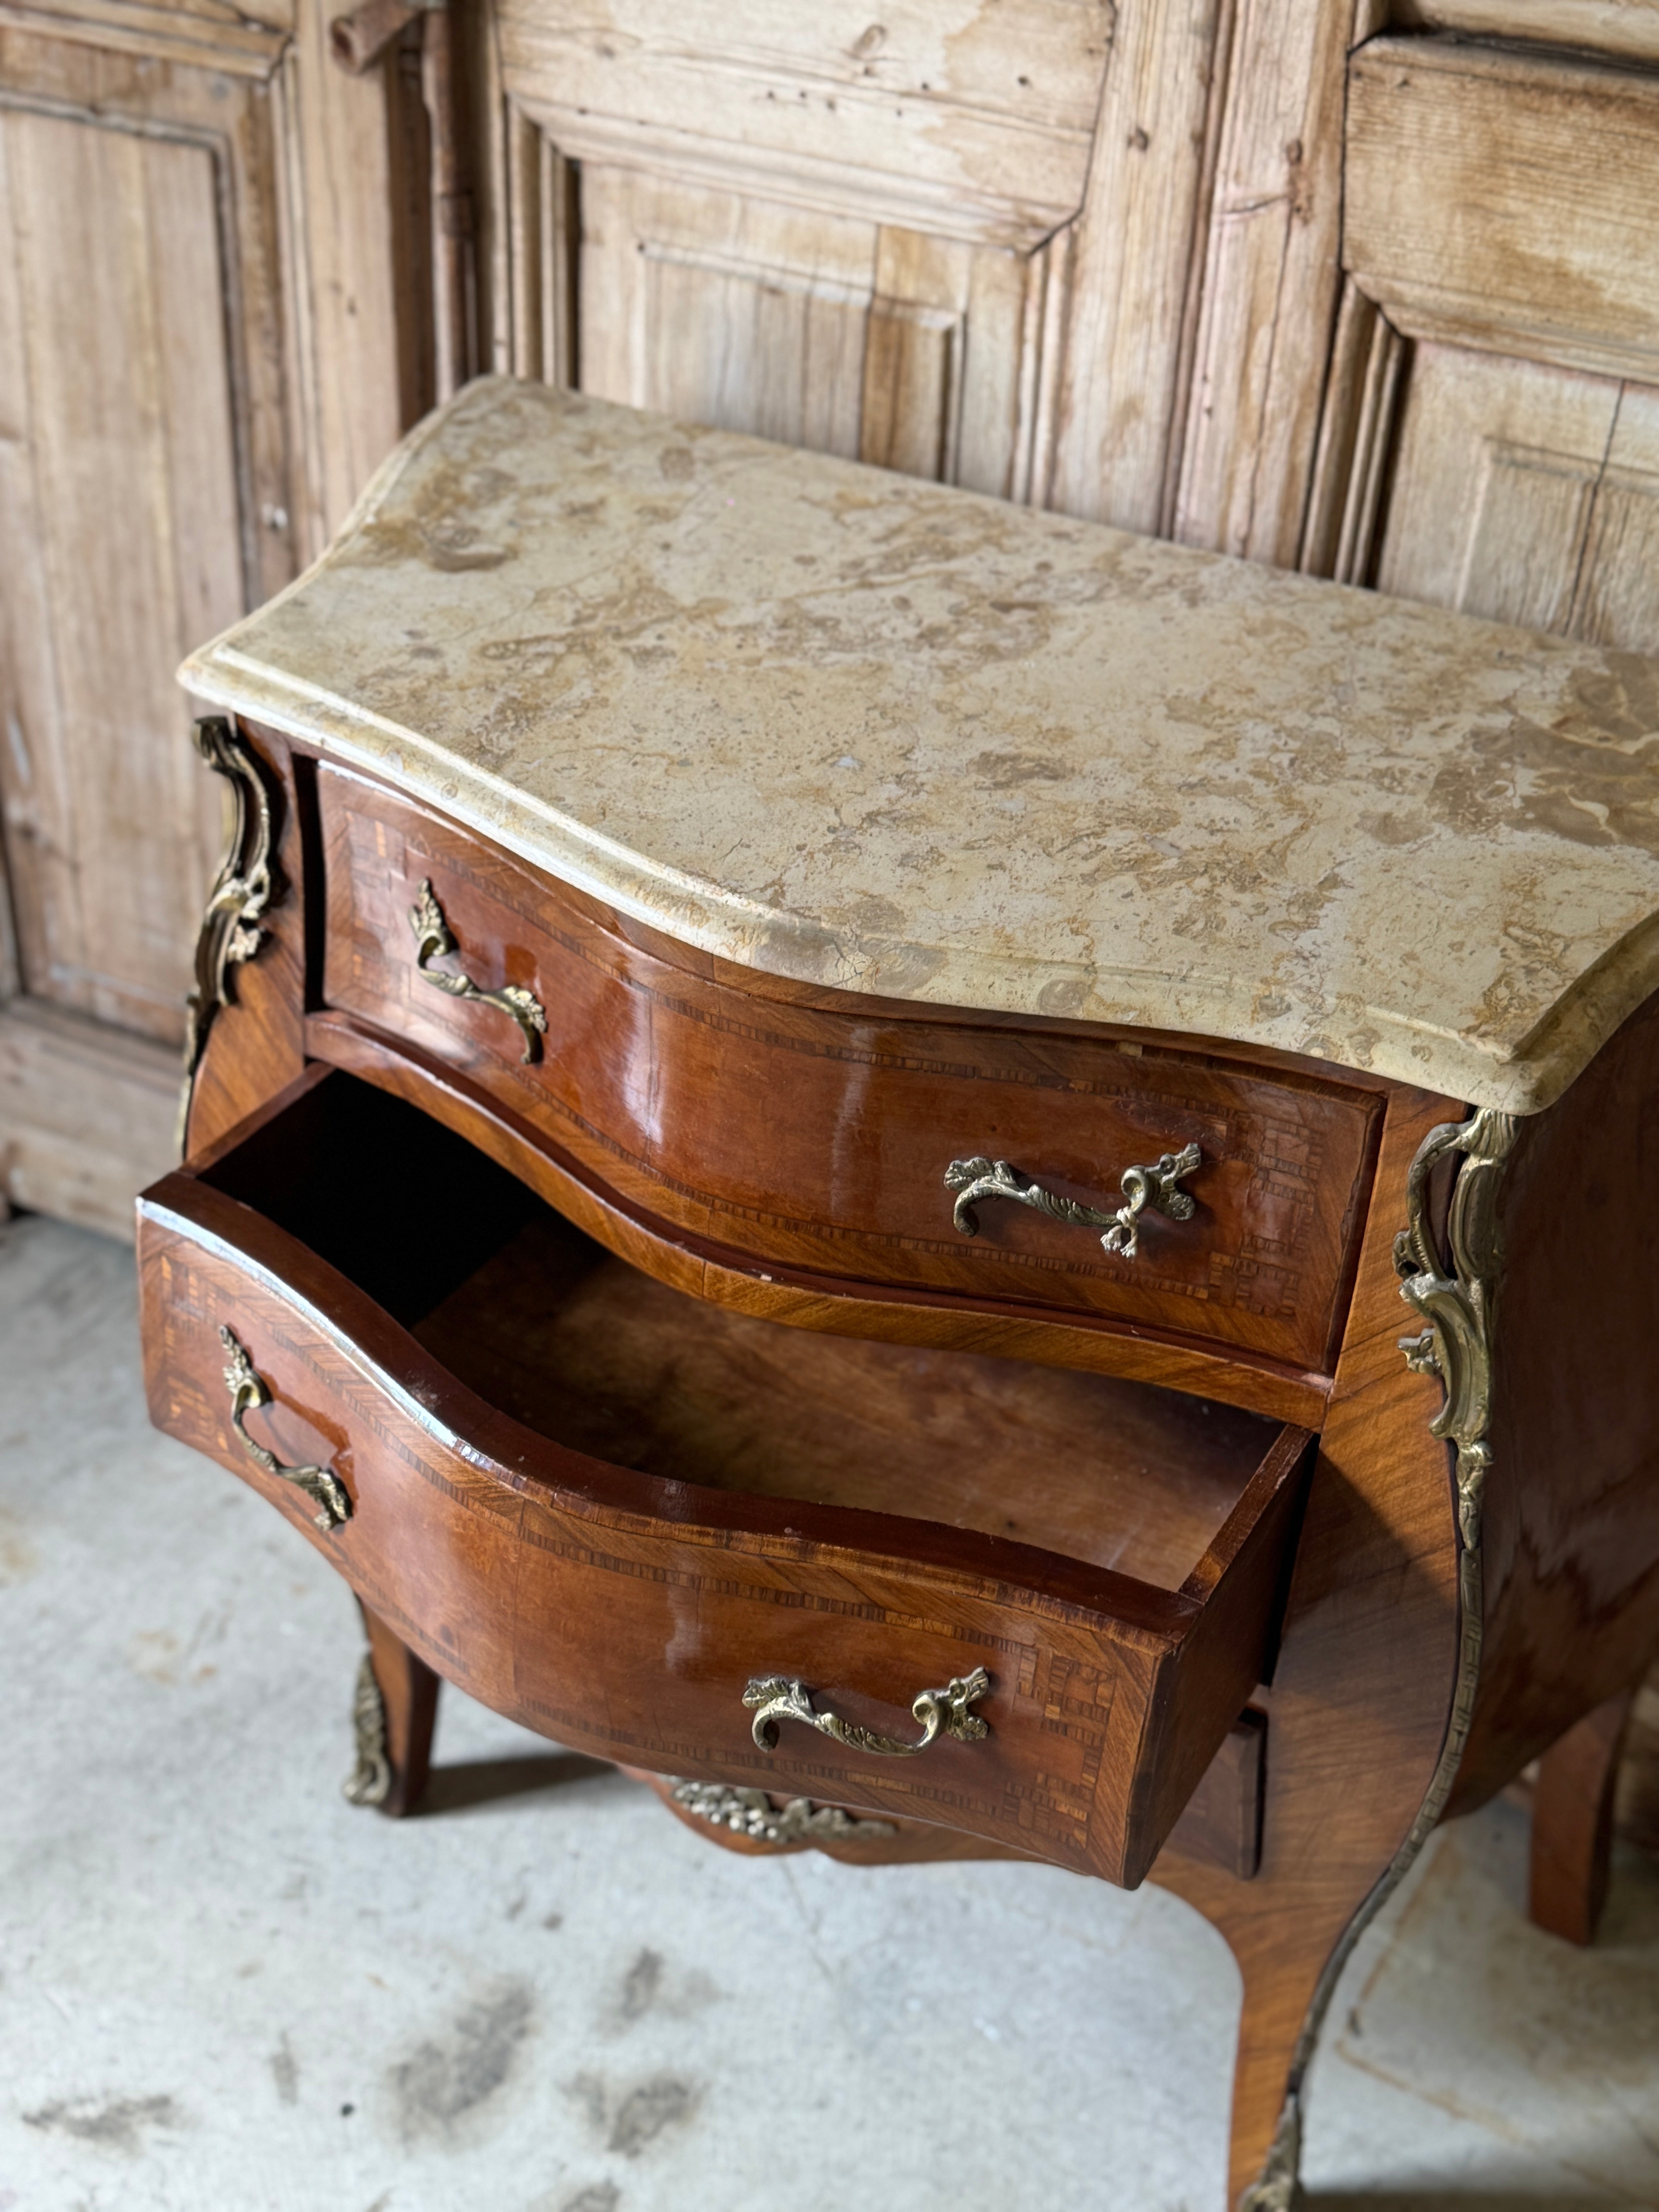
x=123, y=547
x=203, y=354
x=970, y=118
x=1527, y=494
x=1506, y=200
x=723, y=309
x=849, y=336
x=1628, y=28
x=1617, y=596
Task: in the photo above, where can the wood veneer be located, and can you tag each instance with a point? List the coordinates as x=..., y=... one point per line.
x=555, y=1584
x=834, y=1131
x=1357, y=1709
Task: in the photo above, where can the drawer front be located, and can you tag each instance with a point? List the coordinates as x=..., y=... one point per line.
x=619, y=1634
x=627, y=1616
x=820, y=1139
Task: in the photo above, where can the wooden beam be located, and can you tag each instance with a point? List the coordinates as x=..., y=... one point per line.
x=1505, y=200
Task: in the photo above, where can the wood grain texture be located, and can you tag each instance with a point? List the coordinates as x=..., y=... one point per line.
x=1357, y=426
x=896, y=346
x=235, y=41
x=1360, y=1697
x=1269, y=283
x=1221, y=1823
x=973, y=122
x=1572, y=1510
x=796, y=1295
x=87, y=1115
x=1528, y=494
x=1627, y=28
x=1503, y=199
x=584, y=1349
x=140, y=424
x=850, y=1181
x=1121, y=382
x=1572, y=1823
x=409, y=1692
x=356, y=379
x=867, y=1607
x=907, y=1843
x=162, y=302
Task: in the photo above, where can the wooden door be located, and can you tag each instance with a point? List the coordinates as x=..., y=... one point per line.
x=953, y=237
x=1481, y=428
x=1362, y=293
x=199, y=365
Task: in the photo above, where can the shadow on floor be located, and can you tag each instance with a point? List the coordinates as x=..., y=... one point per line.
x=486, y=1781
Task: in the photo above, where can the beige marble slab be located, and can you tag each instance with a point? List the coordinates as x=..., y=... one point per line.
x=842, y=725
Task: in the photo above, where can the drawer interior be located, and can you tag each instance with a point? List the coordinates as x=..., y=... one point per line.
x=544, y=1323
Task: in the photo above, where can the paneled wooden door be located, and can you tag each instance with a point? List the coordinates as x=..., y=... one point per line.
x=1364, y=291
x=202, y=358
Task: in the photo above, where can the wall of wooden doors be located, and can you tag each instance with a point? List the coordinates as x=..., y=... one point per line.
x=1371, y=293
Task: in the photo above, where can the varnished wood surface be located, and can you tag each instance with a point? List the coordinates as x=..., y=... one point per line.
x=409, y=1692
x=833, y=1132
x=584, y=1349
x=1359, y=1699
x=1572, y=1499
x=1221, y=1825
x=1110, y=1696
x=907, y=1843
x=1362, y=1686
x=798, y=1296
x=1572, y=1823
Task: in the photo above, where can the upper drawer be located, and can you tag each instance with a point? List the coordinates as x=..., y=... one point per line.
x=820, y=1139
x=611, y=1509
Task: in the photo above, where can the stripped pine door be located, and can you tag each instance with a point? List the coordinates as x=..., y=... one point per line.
x=199, y=365
x=1360, y=292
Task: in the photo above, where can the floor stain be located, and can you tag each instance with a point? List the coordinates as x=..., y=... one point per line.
x=645, y=1988
x=642, y=1984
x=630, y=2119
x=117, y=2126
x=601, y=2197
x=445, y=2079
x=285, y=2072
x=662, y=2102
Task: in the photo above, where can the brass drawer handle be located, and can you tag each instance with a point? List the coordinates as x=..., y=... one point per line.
x=434, y=941
x=1157, y=1186
x=777, y=1698
x=247, y=1393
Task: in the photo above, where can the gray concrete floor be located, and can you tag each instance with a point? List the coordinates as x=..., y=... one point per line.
x=223, y=1990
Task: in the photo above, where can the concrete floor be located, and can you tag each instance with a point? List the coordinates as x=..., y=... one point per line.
x=223, y=1990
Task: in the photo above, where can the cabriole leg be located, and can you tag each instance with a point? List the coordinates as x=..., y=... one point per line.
x=1572, y=1822
x=393, y=1713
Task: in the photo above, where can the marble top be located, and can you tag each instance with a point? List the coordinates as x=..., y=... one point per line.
x=842, y=725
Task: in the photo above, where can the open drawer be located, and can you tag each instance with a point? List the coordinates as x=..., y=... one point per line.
x=1025, y=1602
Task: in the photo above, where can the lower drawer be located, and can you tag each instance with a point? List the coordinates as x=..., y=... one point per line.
x=701, y=1543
